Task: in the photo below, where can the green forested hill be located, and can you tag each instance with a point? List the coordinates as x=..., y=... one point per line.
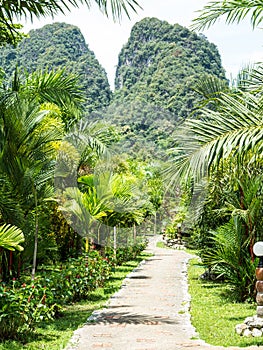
x=60, y=45
x=155, y=76
x=163, y=61
x=156, y=73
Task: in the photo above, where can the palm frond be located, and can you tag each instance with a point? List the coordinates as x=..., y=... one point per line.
x=11, y=237
x=85, y=137
x=210, y=87
x=234, y=129
x=13, y=9
x=234, y=11
x=252, y=78
x=117, y=7
x=55, y=87
x=10, y=206
x=82, y=209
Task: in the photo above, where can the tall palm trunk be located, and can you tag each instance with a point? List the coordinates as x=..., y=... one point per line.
x=115, y=241
x=35, y=237
x=134, y=233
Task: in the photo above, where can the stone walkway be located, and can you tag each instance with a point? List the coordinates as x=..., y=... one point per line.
x=150, y=312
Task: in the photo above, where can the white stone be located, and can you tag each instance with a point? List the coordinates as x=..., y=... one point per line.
x=240, y=328
x=256, y=332
x=247, y=333
x=249, y=319
x=257, y=323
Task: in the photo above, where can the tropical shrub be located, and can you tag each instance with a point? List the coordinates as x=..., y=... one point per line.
x=22, y=306
x=124, y=254
x=75, y=279
x=230, y=259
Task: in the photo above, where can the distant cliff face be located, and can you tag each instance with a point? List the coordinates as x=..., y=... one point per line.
x=60, y=45
x=157, y=71
x=161, y=62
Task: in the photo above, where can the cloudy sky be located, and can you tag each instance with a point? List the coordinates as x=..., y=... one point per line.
x=238, y=44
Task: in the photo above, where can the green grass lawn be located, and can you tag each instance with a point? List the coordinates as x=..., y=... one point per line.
x=214, y=314
x=56, y=334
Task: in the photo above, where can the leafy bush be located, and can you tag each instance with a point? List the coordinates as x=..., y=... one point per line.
x=22, y=306
x=124, y=254
x=230, y=259
x=75, y=279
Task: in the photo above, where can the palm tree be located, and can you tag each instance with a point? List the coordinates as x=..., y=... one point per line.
x=77, y=154
x=234, y=12
x=27, y=154
x=224, y=146
x=233, y=138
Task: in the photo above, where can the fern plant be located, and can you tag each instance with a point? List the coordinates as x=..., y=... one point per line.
x=230, y=260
